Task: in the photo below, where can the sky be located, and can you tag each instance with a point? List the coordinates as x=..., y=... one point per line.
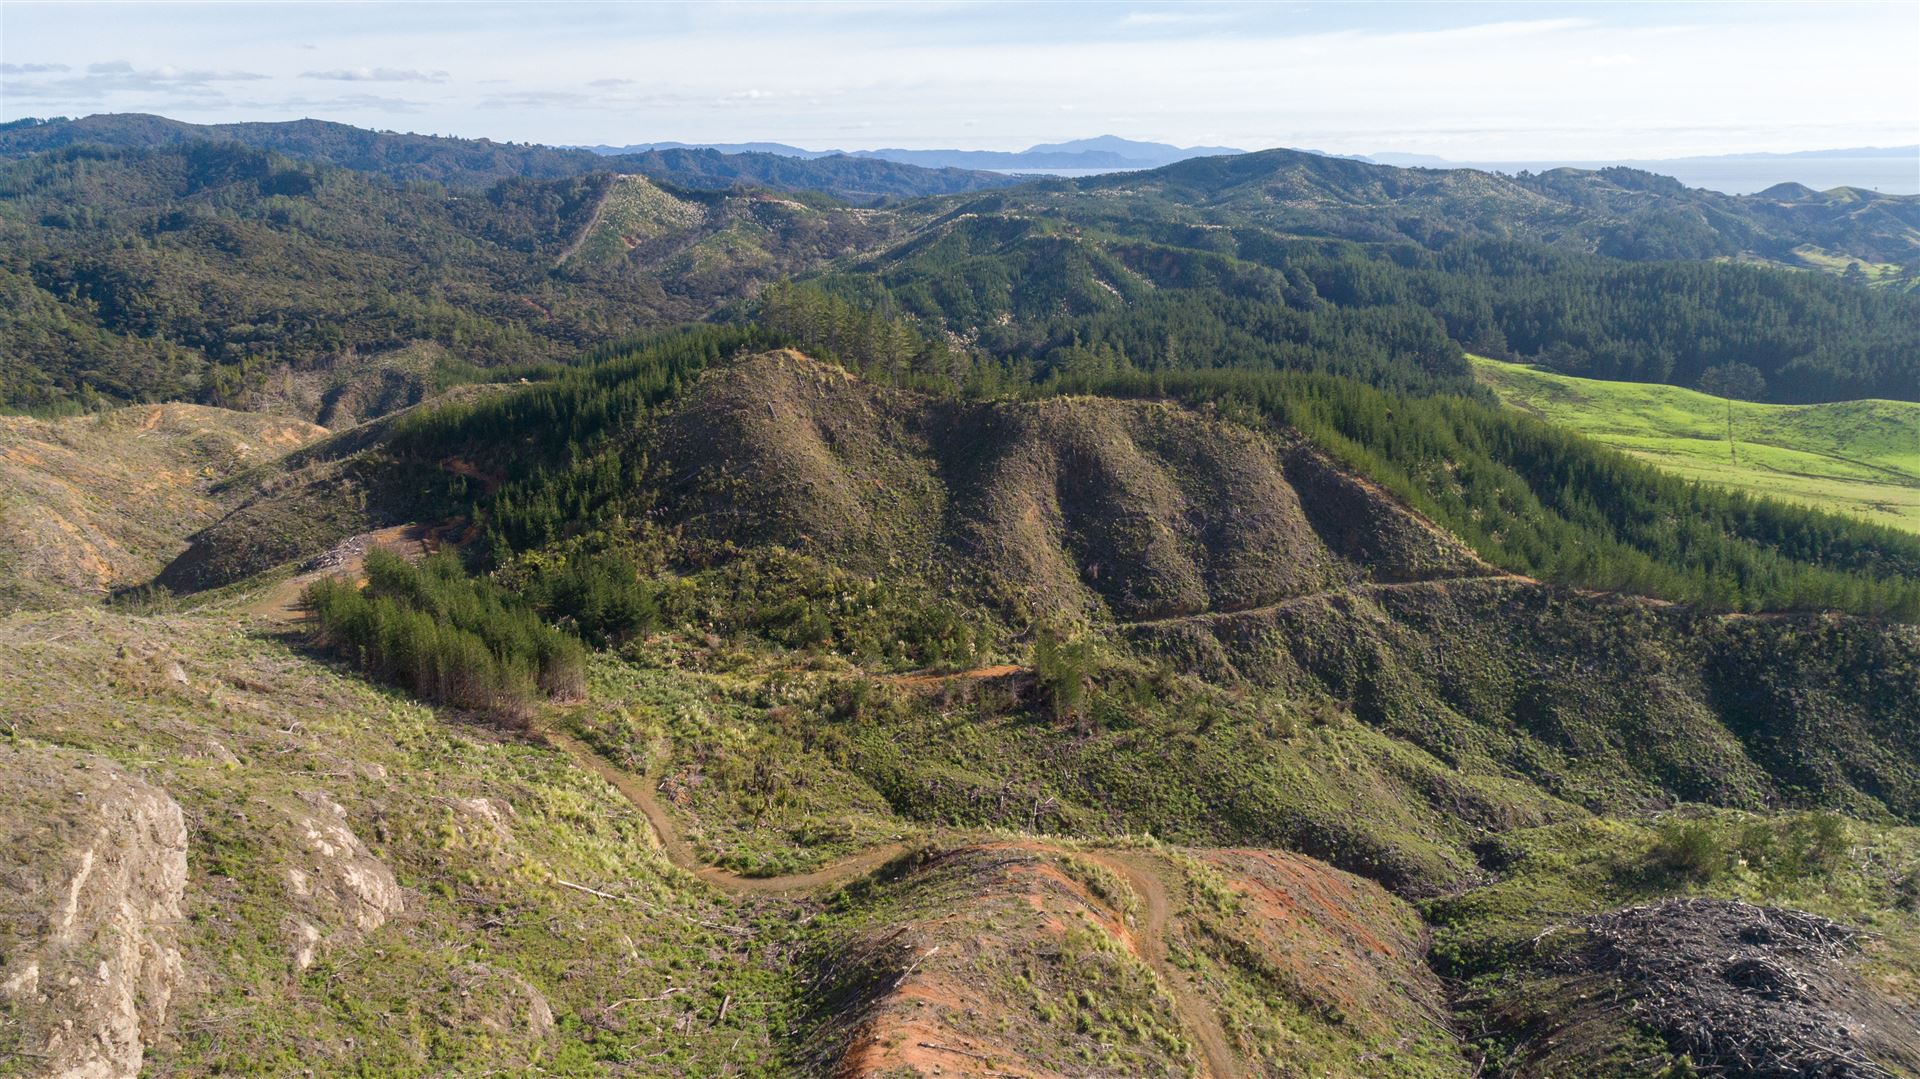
x=1506, y=81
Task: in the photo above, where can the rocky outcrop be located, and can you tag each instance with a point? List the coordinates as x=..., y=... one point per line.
x=340, y=890
x=90, y=894
x=500, y=1002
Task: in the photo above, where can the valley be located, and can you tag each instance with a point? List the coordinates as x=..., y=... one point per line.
x=469, y=611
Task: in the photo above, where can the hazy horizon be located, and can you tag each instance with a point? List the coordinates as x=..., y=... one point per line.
x=1469, y=82
x=936, y=142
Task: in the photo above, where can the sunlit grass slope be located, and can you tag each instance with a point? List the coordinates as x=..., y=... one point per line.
x=1856, y=457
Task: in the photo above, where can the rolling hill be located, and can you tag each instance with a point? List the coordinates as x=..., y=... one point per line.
x=1621, y=212
x=1856, y=457
x=255, y=264
x=480, y=163
x=1105, y=152
x=263, y=281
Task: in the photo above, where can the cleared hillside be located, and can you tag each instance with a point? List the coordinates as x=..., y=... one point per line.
x=1132, y=509
x=1855, y=457
x=93, y=503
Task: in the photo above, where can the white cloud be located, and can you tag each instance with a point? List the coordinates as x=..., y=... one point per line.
x=114, y=81
x=377, y=74
x=1163, y=19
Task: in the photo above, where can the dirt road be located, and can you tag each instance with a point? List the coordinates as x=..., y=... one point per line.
x=641, y=793
x=1145, y=873
x=977, y=674
x=347, y=559
x=1358, y=590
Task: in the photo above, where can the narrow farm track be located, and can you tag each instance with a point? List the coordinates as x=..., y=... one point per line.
x=347, y=560
x=1144, y=873
x=599, y=211
x=1359, y=590
x=977, y=674
x=678, y=851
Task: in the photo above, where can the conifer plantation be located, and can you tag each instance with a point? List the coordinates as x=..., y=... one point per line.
x=447, y=636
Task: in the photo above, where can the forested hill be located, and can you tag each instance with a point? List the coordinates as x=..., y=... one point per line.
x=218, y=273
x=204, y=270
x=1622, y=212
x=1133, y=290
x=483, y=162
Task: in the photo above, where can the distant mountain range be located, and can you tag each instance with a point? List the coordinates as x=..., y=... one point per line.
x=1891, y=169
x=1908, y=153
x=865, y=176
x=1100, y=154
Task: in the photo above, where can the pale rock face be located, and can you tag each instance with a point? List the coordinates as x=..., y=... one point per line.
x=500, y=1002
x=219, y=753
x=87, y=912
x=338, y=888
x=486, y=821
x=306, y=943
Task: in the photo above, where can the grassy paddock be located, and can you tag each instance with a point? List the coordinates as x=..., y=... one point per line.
x=1856, y=457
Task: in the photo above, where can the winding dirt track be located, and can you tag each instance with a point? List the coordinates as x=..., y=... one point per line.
x=1143, y=872
x=681, y=853
x=1358, y=590
x=977, y=674
x=1146, y=876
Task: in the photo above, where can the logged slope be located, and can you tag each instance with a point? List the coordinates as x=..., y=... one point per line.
x=1138, y=509
x=1858, y=457
x=369, y=887
x=1032, y=959
x=1280, y=663
x=1129, y=509
x=1609, y=703
x=93, y=503
x=312, y=499
x=1483, y=700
